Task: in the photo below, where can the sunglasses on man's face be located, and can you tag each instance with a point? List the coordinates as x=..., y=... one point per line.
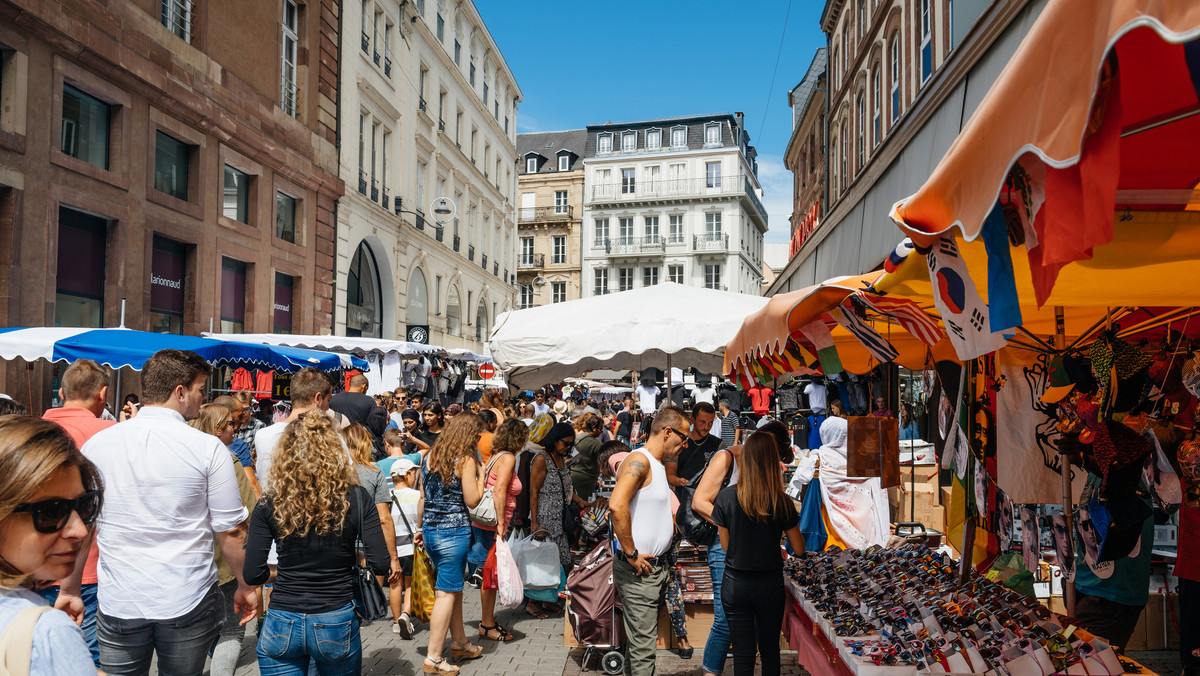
x=682, y=435
x=51, y=516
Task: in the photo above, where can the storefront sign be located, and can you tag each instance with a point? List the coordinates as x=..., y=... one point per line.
x=282, y=307
x=166, y=280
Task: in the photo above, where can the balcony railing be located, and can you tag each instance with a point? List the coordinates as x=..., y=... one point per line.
x=384, y=198
x=375, y=57
x=495, y=269
x=531, y=261
x=635, y=245
x=559, y=213
x=387, y=65
x=710, y=242
x=421, y=103
x=366, y=42
x=439, y=233
x=456, y=242
x=470, y=252
x=483, y=261
x=420, y=221
x=644, y=188
x=362, y=181
x=374, y=190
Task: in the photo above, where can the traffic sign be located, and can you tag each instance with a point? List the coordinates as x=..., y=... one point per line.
x=486, y=371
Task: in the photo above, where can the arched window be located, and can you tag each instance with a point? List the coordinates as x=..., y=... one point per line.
x=482, y=330
x=894, y=48
x=844, y=153
x=876, y=116
x=453, y=313
x=418, y=299
x=364, y=312
x=860, y=149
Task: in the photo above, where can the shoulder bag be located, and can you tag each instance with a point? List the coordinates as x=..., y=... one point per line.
x=697, y=529
x=484, y=513
x=370, y=603
x=570, y=516
x=16, y=643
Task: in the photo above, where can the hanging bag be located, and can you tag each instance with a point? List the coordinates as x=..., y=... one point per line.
x=484, y=513
x=370, y=603
x=510, y=591
x=873, y=449
x=697, y=529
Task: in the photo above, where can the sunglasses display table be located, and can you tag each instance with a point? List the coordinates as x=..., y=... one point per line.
x=901, y=612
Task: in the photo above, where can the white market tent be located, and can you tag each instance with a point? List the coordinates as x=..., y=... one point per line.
x=633, y=329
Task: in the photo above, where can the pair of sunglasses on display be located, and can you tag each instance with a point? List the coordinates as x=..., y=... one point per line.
x=51, y=516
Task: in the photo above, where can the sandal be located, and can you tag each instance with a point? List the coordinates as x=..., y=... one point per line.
x=438, y=667
x=535, y=611
x=470, y=652
x=502, y=634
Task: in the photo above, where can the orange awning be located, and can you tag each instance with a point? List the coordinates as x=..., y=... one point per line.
x=1098, y=110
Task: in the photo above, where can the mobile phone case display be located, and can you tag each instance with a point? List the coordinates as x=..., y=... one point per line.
x=903, y=610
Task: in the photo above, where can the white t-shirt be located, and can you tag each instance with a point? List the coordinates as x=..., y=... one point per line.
x=816, y=397
x=539, y=409
x=704, y=393
x=168, y=489
x=407, y=499
x=264, y=446
x=647, y=397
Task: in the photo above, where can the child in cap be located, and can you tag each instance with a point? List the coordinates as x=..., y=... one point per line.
x=404, y=474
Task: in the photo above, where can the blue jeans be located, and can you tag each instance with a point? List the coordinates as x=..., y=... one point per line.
x=481, y=543
x=717, y=646
x=88, y=593
x=128, y=645
x=289, y=640
x=447, y=550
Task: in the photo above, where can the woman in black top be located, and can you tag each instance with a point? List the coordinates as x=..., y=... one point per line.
x=312, y=513
x=750, y=516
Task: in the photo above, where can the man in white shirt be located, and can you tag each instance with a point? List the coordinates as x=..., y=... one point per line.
x=640, y=569
x=310, y=389
x=170, y=495
x=539, y=404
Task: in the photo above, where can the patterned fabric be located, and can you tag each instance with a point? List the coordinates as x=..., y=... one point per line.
x=444, y=504
x=247, y=433
x=423, y=581
x=908, y=313
x=556, y=486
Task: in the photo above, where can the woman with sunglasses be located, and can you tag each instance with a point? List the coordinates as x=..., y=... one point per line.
x=550, y=489
x=50, y=496
x=219, y=421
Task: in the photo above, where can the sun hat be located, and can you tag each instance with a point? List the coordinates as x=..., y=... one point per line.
x=1059, y=382
x=560, y=407
x=402, y=466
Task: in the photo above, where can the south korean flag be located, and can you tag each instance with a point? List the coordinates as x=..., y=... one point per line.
x=963, y=312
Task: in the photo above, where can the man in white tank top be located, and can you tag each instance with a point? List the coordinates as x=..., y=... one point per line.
x=640, y=511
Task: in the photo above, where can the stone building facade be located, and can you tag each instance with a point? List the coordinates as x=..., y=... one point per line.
x=178, y=157
x=550, y=216
x=805, y=153
x=428, y=111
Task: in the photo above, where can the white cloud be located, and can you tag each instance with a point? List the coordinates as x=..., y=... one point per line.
x=776, y=182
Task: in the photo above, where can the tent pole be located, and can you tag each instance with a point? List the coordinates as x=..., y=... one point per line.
x=670, y=389
x=1064, y=464
x=968, y=539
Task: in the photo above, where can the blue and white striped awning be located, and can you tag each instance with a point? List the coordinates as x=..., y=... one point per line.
x=126, y=347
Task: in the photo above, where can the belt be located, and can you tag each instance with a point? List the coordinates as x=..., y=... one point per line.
x=652, y=560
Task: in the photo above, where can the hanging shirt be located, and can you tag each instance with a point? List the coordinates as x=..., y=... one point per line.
x=241, y=380
x=816, y=400
x=760, y=399
x=263, y=384
x=647, y=397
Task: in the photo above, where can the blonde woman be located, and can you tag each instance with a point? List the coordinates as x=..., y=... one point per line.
x=219, y=421
x=449, y=487
x=361, y=446
x=50, y=496
x=312, y=511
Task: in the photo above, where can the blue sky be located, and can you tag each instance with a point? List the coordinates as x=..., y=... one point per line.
x=581, y=62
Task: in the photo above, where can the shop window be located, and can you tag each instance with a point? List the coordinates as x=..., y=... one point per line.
x=82, y=254
x=233, y=296
x=168, y=280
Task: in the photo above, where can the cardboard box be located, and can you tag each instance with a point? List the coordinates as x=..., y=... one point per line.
x=926, y=474
x=1155, y=629
x=916, y=503
x=699, y=624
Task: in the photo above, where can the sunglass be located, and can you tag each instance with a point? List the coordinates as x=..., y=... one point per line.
x=682, y=435
x=51, y=516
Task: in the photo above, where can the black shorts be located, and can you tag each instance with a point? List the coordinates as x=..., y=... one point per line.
x=406, y=563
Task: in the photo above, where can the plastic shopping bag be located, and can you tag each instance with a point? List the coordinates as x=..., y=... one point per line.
x=424, y=579
x=537, y=561
x=510, y=590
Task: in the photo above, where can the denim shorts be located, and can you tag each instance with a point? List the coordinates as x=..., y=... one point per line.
x=447, y=549
x=481, y=544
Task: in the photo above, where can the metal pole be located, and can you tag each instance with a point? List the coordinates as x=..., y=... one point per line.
x=1064, y=466
x=670, y=392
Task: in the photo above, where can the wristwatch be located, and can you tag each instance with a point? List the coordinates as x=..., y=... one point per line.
x=631, y=556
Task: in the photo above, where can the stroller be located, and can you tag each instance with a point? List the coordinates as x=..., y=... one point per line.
x=592, y=611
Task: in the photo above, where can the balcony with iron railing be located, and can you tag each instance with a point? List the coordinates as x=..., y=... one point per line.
x=736, y=185
x=439, y=233
x=374, y=190
x=362, y=181
x=556, y=213
x=384, y=197
x=635, y=246
x=470, y=252
x=710, y=241
x=533, y=261
x=366, y=42
x=495, y=269
x=456, y=242
x=483, y=261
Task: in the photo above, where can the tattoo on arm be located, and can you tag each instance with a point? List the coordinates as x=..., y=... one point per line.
x=634, y=468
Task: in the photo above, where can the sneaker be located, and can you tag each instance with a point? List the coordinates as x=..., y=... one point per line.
x=476, y=580
x=404, y=627
x=395, y=626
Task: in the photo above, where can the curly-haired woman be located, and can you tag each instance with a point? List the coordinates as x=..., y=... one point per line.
x=449, y=487
x=312, y=511
x=50, y=495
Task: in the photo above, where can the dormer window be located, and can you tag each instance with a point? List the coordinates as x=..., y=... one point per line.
x=678, y=137
x=531, y=165
x=604, y=144
x=564, y=162
x=629, y=142
x=653, y=139
x=712, y=134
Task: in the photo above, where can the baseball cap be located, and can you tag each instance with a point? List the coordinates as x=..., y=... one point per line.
x=402, y=466
x=1059, y=381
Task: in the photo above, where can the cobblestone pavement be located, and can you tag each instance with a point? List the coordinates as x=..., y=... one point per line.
x=538, y=649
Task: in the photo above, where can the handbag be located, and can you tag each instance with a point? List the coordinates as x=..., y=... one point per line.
x=370, y=603
x=16, y=643
x=484, y=513
x=697, y=529
x=570, y=518
x=424, y=579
